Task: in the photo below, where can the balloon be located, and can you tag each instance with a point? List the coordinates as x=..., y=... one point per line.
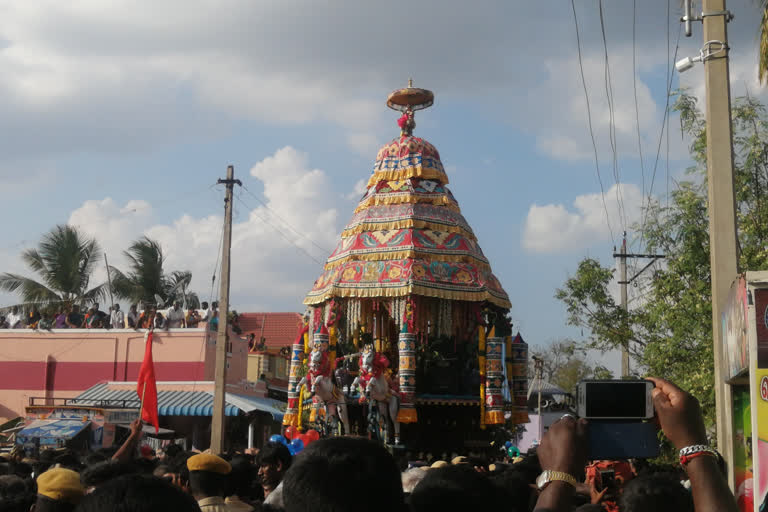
x=277, y=438
x=305, y=439
x=296, y=446
x=507, y=444
x=291, y=432
x=513, y=452
x=313, y=435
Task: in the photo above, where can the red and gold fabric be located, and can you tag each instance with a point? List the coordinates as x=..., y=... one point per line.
x=406, y=157
x=410, y=276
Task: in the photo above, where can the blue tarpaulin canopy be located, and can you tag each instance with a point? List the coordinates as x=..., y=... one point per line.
x=51, y=431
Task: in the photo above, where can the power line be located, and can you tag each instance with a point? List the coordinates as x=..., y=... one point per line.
x=669, y=65
x=634, y=87
x=281, y=233
x=286, y=222
x=663, y=127
x=612, y=121
x=589, y=120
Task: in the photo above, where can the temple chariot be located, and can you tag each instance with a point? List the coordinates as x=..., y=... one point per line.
x=406, y=336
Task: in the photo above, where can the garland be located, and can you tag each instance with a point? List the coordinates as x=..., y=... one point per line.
x=301, y=408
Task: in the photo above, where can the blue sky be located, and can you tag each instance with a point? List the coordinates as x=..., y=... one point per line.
x=120, y=117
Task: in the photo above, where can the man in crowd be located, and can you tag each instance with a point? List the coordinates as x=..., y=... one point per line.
x=193, y=318
x=13, y=319
x=175, y=318
x=74, y=319
x=206, y=316
x=133, y=317
x=274, y=460
x=58, y=490
x=208, y=481
x=33, y=317
x=117, y=318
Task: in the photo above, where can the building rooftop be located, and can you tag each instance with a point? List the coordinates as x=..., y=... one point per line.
x=279, y=329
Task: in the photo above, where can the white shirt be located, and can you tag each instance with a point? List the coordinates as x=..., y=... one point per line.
x=14, y=321
x=117, y=319
x=175, y=318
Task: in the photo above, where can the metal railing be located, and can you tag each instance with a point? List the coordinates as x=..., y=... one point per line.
x=41, y=401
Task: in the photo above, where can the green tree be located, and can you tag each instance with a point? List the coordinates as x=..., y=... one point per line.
x=669, y=334
x=565, y=363
x=146, y=280
x=64, y=261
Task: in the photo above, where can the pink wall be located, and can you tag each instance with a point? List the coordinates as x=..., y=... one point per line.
x=66, y=362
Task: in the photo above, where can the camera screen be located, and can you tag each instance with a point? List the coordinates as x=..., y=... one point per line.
x=615, y=399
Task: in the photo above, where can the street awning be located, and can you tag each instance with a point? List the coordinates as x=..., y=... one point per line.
x=186, y=403
x=50, y=431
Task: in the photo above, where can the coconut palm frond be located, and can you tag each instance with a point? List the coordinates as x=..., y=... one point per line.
x=30, y=290
x=762, y=68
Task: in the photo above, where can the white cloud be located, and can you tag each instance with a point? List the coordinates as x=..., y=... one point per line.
x=358, y=190
x=553, y=227
x=268, y=269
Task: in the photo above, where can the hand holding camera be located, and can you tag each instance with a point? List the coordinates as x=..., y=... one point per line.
x=679, y=414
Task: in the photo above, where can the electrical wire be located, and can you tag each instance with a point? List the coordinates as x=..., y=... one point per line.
x=634, y=87
x=669, y=65
x=281, y=233
x=264, y=204
x=664, y=124
x=612, y=122
x=589, y=121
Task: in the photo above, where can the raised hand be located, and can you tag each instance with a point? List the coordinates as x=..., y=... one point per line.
x=679, y=414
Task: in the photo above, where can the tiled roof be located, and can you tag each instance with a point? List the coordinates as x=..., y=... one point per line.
x=279, y=329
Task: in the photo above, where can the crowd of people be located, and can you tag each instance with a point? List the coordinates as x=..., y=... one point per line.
x=72, y=317
x=346, y=474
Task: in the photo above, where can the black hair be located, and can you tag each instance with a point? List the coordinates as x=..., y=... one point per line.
x=138, y=493
x=46, y=504
x=101, y=473
x=517, y=484
x=660, y=492
x=93, y=458
x=16, y=495
x=207, y=483
x=458, y=488
x=172, y=450
x=272, y=453
x=369, y=474
x=242, y=479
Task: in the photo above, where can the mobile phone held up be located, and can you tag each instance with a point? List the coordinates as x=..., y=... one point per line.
x=623, y=400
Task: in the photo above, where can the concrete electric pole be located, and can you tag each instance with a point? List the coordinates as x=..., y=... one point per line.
x=623, y=282
x=722, y=205
x=222, y=336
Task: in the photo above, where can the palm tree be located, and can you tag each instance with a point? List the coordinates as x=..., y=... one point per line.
x=64, y=260
x=146, y=282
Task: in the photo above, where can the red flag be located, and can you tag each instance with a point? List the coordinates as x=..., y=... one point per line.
x=147, y=387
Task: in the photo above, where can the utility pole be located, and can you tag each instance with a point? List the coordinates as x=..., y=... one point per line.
x=623, y=282
x=538, y=365
x=723, y=253
x=723, y=250
x=222, y=336
x=624, y=304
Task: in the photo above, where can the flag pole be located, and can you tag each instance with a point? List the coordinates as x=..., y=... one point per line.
x=144, y=389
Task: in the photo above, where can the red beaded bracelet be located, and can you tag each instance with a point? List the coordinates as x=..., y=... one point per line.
x=685, y=459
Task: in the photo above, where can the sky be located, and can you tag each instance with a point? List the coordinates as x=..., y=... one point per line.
x=118, y=117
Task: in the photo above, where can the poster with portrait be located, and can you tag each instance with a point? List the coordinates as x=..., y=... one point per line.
x=734, y=329
x=760, y=384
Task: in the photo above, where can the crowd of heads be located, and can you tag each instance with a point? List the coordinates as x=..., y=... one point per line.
x=337, y=474
x=75, y=316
